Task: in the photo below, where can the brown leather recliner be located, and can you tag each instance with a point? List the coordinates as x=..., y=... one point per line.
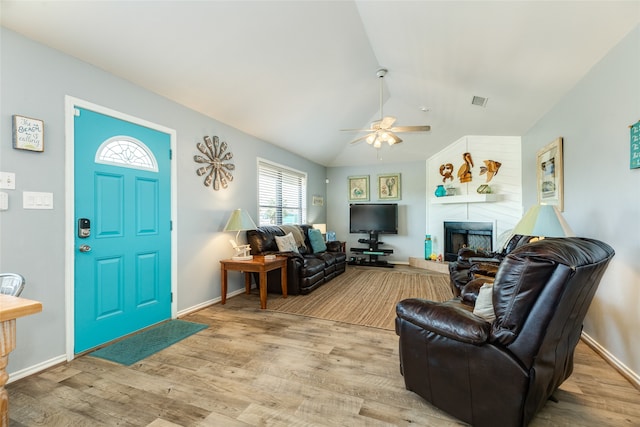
x=502, y=373
x=472, y=264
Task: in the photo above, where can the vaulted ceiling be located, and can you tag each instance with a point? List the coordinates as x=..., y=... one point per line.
x=295, y=73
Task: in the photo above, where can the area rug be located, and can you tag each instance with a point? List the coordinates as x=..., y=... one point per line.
x=136, y=347
x=366, y=296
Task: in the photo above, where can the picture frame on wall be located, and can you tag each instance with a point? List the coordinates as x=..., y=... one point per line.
x=389, y=186
x=28, y=133
x=550, y=174
x=358, y=188
x=634, y=138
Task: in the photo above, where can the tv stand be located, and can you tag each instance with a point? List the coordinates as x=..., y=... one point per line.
x=372, y=251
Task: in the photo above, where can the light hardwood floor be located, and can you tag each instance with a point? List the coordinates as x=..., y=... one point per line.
x=254, y=367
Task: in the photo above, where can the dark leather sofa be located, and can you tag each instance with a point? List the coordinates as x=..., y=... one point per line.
x=501, y=373
x=306, y=270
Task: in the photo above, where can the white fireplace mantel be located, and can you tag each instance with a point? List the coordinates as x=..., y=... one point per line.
x=466, y=198
x=503, y=205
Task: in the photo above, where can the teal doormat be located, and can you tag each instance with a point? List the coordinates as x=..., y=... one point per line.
x=130, y=350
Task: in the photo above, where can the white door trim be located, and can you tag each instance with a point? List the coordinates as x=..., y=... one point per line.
x=70, y=228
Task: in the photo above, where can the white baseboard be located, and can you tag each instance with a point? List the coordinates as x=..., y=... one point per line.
x=197, y=307
x=15, y=376
x=206, y=304
x=631, y=376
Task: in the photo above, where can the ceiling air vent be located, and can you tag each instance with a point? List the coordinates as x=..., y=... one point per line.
x=479, y=101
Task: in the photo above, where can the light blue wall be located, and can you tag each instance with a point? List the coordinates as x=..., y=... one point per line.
x=35, y=80
x=409, y=242
x=601, y=193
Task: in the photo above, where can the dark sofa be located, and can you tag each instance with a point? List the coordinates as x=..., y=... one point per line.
x=306, y=269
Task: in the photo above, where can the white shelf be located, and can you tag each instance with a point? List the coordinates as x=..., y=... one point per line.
x=465, y=198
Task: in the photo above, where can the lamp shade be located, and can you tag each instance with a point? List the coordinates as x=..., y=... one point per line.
x=239, y=220
x=321, y=227
x=543, y=221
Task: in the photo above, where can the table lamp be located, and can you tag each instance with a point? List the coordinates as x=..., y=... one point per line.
x=543, y=221
x=239, y=221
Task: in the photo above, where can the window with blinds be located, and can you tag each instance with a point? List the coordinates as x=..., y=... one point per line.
x=282, y=195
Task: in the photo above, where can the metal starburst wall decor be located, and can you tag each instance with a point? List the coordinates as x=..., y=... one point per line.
x=217, y=170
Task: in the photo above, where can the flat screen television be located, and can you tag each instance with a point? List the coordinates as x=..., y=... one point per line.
x=381, y=218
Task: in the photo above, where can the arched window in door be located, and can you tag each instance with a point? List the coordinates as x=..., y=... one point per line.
x=127, y=152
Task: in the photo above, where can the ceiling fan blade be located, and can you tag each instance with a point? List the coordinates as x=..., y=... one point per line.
x=387, y=122
x=355, y=130
x=360, y=138
x=398, y=140
x=410, y=129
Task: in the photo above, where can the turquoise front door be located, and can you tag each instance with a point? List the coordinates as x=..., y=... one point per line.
x=122, y=280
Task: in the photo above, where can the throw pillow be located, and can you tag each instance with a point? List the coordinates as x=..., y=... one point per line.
x=286, y=243
x=297, y=234
x=484, y=303
x=469, y=292
x=317, y=242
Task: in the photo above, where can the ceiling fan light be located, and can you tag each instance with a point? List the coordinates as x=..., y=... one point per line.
x=382, y=130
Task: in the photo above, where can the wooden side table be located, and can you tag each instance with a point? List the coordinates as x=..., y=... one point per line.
x=333, y=245
x=10, y=309
x=256, y=265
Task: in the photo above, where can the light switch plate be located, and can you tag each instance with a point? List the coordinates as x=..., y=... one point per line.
x=8, y=180
x=37, y=200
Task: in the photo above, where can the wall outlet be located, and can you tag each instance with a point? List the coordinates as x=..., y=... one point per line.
x=8, y=180
x=4, y=201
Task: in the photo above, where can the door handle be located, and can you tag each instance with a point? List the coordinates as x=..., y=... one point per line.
x=84, y=248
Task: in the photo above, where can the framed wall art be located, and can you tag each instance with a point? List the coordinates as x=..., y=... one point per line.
x=359, y=188
x=28, y=133
x=389, y=186
x=550, y=174
x=634, y=156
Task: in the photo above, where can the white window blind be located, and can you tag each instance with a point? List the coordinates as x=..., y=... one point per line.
x=282, y=195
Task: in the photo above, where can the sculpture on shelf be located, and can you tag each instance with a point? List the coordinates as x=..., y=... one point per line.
x=217, y=171
x=490, y=169
x=446, y=170
x=464, y=173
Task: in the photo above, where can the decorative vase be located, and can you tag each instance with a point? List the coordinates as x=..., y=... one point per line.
x=427, y=246
x=440, y=191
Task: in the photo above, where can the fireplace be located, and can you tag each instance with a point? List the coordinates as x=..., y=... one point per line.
x=474, y=235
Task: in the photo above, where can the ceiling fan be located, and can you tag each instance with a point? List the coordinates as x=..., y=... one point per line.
x=383, y=130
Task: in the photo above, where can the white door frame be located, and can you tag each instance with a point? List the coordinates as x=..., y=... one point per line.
x=70, y=227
